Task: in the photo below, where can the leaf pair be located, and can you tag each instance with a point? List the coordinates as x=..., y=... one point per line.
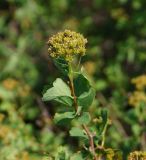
x=60, y=92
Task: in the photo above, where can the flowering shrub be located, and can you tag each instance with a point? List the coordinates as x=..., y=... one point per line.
x=77, y=94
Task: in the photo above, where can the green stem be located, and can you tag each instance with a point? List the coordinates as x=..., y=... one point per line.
x=103, y=135
x=73, y=95
x=72, y=88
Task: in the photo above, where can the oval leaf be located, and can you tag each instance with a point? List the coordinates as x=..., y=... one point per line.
x=77, y=132
x=61, y=116
x=60, y=92
x=84, y=118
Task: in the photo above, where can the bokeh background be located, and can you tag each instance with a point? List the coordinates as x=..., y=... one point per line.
x=116, y=53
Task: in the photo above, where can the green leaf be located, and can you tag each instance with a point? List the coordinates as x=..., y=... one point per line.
x=83, y=90
x=64, y=100
x=76, y=156
x=101, y=85
x=77, y=132
x=60, y=92
x=62, y=65
x=81, y=85
x=104, y=115
x=86, y=98
x=84, y=118
x=62, y=116
x=61, y=156
x=62, y=153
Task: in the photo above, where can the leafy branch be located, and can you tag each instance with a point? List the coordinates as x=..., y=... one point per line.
x=89, y=134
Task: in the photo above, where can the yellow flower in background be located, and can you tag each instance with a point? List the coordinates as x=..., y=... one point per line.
x=23, y=156
x=4, y=131
x=140, y=82
x=10, y=83
x=139, y=95
x=67, y=44
x=20, y=88
x=2, y=116
x=137, y=155
x=136, y=98
x=24, y=90
x=90, y=67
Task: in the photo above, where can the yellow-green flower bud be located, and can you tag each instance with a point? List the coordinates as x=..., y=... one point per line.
x=67, y=44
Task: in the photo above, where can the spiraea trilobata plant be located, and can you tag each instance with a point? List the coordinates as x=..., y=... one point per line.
x=75, y=94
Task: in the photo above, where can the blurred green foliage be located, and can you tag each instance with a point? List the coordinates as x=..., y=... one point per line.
x=116, y=33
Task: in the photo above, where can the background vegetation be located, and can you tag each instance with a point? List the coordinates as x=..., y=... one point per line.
x=116, y=53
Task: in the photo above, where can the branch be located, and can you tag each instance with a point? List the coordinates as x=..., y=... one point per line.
x=91, y=141
x=89, y=134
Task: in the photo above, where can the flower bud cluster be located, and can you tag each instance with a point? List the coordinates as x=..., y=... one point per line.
x=67, y=44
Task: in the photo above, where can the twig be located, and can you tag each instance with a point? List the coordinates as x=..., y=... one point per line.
x=91, y=141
